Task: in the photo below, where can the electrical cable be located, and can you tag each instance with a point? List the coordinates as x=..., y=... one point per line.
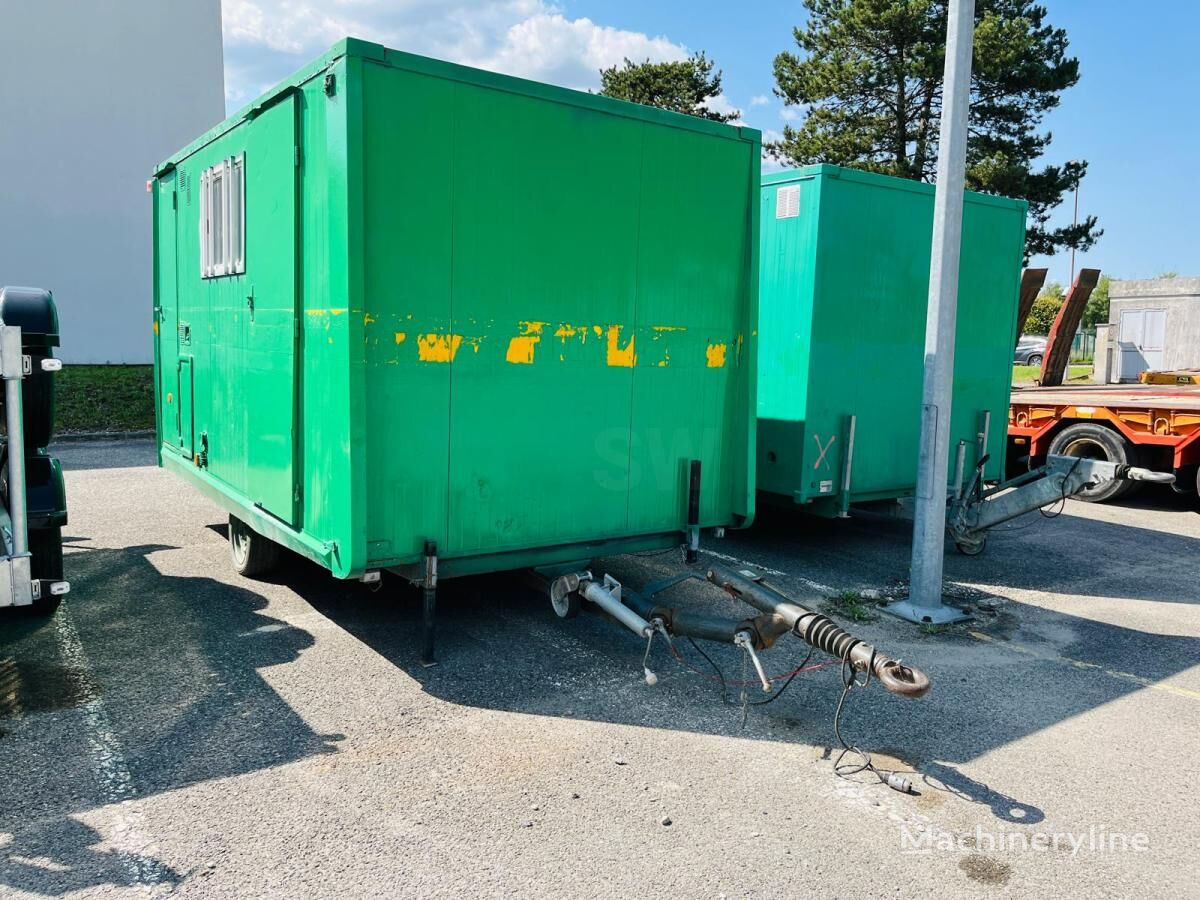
x=1062, y=501
x=827, y=635
x=727, y=683
x=894, y=780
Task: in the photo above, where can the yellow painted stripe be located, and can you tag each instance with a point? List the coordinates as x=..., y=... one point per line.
x=521, y=347
x=618, y=355
x=438, y=348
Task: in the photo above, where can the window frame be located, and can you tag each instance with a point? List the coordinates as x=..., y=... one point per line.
x=223, y=188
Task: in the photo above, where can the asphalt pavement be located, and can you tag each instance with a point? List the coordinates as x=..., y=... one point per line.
x=178, y=729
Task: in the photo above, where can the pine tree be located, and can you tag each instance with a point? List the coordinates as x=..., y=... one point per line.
x=687, y=86
x=870, y=79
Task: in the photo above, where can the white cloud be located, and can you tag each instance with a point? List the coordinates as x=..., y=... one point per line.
x=760, y=100
x=769, y=163
x=720, y=104
x=791, y=113
x=571, y=52
x=265, y=40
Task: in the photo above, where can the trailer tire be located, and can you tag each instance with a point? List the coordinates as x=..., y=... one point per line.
x=1091, y=441
x=253, y=555
x=972, y=547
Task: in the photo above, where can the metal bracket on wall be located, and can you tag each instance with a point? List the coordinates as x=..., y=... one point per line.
x=847, y=467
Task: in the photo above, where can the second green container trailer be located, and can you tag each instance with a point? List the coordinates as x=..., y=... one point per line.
x=400, y=301
x=844, y=289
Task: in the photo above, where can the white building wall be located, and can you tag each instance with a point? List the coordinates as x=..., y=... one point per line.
x=1178, y=299
x=92, y=94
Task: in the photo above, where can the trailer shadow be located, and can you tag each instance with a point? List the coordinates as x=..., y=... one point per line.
x=154, y=683
x=173, y=664
x=1058, y=553
x=501, y=647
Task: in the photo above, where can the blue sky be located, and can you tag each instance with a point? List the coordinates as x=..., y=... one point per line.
x=1133, y=115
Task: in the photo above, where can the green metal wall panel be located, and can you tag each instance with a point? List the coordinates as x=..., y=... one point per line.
x=523, y=310
x=550, y=318
x=844, y=293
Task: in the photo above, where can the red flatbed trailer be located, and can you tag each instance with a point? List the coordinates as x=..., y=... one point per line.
x=1150, y=425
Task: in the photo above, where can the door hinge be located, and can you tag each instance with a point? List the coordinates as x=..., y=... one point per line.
x=297, y=149
x=174, y=200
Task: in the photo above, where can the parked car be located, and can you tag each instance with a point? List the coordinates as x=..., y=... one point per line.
x=1031, y=350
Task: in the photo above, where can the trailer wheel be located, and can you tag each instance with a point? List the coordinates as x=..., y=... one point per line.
x=1090, y=441
x=972, y=547
x=253, y=555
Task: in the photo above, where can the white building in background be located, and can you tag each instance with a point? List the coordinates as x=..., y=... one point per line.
x=93, y=93
x=1153, y=324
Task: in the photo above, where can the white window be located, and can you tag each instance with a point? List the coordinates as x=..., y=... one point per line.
x=223, y=218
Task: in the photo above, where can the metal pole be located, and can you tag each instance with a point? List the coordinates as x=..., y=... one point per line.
x=693, y=512
x=16, y=465
x=847, y=468
x=960, y=462
x=986, y=435
x=929, y=527
x=429, y=605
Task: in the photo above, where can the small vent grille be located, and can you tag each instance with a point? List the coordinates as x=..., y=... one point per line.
x=185, y=187
x=787, y=202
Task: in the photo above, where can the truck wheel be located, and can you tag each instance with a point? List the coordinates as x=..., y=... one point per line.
x=253, y=555
x=1091, y=441
x=46, y=562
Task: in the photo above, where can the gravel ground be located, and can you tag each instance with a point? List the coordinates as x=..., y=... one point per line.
x=178, y=729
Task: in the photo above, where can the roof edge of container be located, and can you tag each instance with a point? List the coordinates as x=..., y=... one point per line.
x=889, y=181
x=412, y=62
x=400, y=59
x=254, y=107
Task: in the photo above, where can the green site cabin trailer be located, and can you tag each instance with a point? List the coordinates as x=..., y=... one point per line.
x=399, y=300
x=844, y=286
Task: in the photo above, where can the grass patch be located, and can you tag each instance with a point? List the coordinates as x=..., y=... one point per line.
x=1027, y=374
x=852, y=605
x=105, y=398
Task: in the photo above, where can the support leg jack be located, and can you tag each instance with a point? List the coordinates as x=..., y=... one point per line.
x=429, y=605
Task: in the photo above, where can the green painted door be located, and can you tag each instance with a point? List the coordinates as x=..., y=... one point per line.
x=268, y=378
x=166, y=312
